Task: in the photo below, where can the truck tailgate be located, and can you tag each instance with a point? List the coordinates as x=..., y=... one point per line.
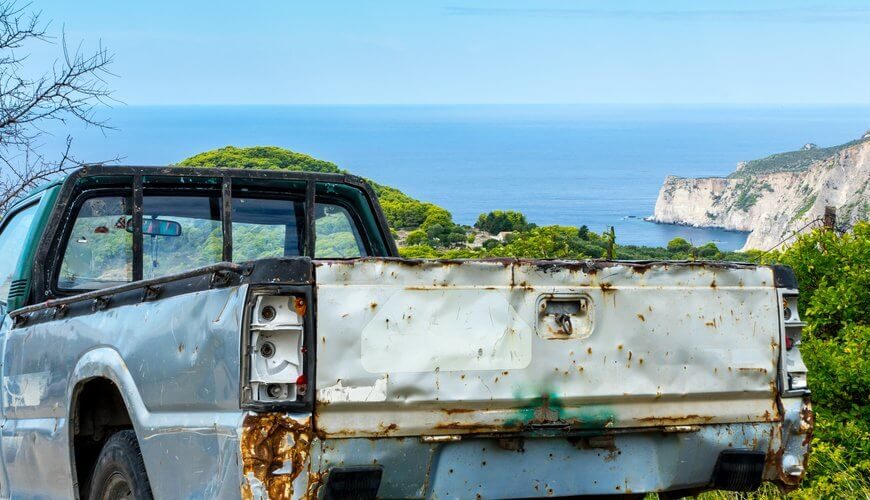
x=454, y=347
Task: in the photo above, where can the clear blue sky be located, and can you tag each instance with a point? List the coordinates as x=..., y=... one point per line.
x=506, y=51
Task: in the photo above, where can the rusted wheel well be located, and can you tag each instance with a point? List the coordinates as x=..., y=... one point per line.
x=98, y=411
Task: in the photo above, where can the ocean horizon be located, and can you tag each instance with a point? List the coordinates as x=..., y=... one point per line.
x=592, y=165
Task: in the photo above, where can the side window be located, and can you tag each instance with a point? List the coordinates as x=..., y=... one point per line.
x=99, y=251
x=336, y=234
x=180, y=233
x=12, y=241
x=265, y=228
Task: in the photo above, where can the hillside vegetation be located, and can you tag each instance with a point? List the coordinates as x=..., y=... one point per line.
x=791, y=161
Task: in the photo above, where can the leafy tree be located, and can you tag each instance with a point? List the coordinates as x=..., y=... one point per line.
x=548, y=242
x=707, y=251
x=502, y=220
x=262, y=158
x=679, y=245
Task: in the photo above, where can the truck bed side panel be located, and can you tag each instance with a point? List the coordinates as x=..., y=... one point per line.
x=175, y=361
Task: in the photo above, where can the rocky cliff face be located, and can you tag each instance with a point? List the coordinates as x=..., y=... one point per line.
x=773, y=206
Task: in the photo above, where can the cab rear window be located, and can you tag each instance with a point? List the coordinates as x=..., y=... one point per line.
x=185, y=232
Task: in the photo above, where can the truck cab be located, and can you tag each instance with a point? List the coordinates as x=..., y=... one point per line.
x=183, y=332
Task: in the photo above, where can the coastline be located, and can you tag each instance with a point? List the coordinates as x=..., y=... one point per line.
x=652, y=220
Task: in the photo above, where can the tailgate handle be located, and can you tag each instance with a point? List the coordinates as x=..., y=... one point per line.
x=564, y=321
x=564, y=316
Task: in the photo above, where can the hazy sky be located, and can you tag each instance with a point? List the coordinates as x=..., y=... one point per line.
x=505, y=51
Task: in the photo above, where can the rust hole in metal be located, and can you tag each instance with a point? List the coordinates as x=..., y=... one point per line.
x=273, y=441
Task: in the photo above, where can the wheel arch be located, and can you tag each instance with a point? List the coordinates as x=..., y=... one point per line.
x=101, y=376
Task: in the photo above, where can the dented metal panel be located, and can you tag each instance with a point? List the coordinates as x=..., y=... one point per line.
x=175, y=361
x=451, y=348
x=600, y=463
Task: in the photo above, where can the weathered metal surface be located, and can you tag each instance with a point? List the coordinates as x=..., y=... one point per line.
x=621, y=463
x=175, y=361
x=451, y=347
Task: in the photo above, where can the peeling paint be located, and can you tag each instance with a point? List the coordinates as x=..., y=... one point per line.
x=361, y=394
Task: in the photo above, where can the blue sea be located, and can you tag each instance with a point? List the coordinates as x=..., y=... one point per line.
x=571, y=164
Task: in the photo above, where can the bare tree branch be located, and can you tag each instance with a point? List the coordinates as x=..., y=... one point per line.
x=71, y=90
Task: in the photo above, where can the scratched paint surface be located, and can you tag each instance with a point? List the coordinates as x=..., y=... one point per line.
x=176, y=362
x=667, y=345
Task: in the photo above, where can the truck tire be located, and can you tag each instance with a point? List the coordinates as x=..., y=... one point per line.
x=120, y=471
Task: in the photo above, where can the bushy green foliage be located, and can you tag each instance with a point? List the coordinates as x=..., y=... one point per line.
x=402, y=211
x=260, y=157
x=834, y=275
x=679, y=245
x=834, y=279
x=548, y=242
x=502, y=220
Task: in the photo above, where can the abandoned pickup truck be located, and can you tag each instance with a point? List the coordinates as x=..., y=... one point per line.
x=205, y=333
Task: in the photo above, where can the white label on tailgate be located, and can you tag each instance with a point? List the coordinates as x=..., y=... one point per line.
x=446, y=329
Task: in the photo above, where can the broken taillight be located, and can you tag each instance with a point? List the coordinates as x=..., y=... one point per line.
x=795, y=369
x=275, y=350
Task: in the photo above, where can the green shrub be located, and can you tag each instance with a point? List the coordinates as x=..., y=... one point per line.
x=502, y=220
x=679, y=245
x=832, y=272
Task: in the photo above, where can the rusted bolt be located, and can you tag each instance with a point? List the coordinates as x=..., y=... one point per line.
x=299, y=305
x=268, y=313
x=267, y=350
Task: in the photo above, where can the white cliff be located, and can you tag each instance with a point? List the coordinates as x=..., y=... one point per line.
x=773, y=206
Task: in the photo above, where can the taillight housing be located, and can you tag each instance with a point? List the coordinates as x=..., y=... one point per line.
x=794, y=370
x=275, y=356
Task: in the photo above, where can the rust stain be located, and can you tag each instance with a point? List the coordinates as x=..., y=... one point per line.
x=453, y=411
x=606, y=287
x=748, y=369
x=676, y=420
x=387, y=429
x=472, y=427
x=268, y=442
x=300, y=306
x=808, y=422
x=640, y=317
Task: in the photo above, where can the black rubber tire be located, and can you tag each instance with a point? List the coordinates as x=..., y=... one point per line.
x=120, y=471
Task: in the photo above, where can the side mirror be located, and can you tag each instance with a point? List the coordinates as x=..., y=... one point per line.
x=157, y=227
